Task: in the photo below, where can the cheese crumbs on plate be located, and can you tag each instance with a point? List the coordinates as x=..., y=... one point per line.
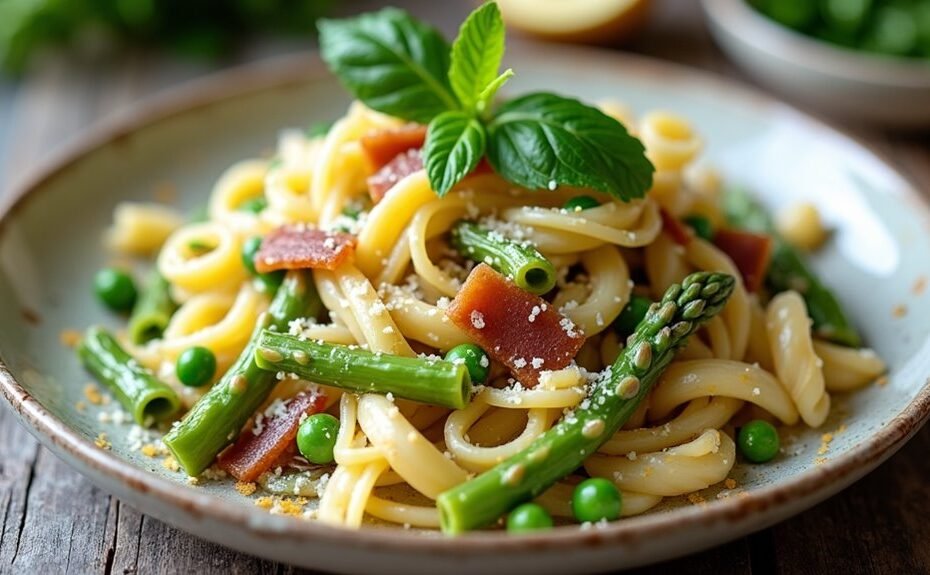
x=93, y=395
x=170, y=463
x=69, y=337
x=245, y=488
x=102, y=442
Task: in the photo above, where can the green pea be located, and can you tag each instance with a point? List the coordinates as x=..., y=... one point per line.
x=758, y=441
x=596, y=499
x=254, y=205
x=579, y=203
x=115, y=289
x=316, y=438
x=474, y=358
x=632, y=314
x=250, y=248
x=270, y=281
x=893, y=31
x=797, y=14
x=701, y=226
x=196, y=366
x=845, y=16
x=528, y=517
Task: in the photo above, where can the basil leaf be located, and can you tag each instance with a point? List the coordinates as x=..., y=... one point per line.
x=392, y=62
x=455, y=142
x=476, y=54
x=543, y=140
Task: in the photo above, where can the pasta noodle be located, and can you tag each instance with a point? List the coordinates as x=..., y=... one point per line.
x=141, y=229
x=796, y=364
x=392, y=457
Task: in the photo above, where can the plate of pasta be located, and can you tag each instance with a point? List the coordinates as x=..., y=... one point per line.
x=420, y=306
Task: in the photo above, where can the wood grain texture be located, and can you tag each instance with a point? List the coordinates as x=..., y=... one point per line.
x=54, y=521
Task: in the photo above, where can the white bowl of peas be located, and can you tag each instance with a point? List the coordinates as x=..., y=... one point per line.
x=866, y=61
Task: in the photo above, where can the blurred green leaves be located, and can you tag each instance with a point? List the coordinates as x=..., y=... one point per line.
x=199, y=28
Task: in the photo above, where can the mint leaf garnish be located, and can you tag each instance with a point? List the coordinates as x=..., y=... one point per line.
x=455, y=143
x=476, y=54
x=542, y=140
x=392, y=62
x=400, y=66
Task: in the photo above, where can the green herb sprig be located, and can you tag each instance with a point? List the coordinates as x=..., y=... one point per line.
x=400, y=66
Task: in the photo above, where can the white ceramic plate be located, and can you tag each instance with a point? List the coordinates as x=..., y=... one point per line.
x=48, y=254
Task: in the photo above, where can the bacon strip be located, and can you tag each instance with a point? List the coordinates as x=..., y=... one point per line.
x=253, y=455
x=394, y=171
x=299, y=247
x=751, y=254
x=679, y=233
x=515, y=327
x=382, y=146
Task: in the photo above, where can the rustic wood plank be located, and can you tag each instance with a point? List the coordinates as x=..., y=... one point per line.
x=49, y=514
x=732, y=559
x=64, y=521
x=18, y=455
x=878, y=525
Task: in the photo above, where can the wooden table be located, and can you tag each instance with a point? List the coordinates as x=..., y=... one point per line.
x=54, y=521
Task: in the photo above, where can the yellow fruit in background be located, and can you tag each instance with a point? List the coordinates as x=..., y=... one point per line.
x=585, y=21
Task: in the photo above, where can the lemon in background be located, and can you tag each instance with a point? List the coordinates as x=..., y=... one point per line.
x=585, y=21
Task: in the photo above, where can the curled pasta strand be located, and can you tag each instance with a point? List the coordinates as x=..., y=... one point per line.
x=405, y=448
x=581, y=225
x=705, y=256
x=684, y=381
x=220, y=268
x=215, y=321
x=847, y=369
x=700, y=414
x=361, y=492
x=665, y=264
x=535, y=398
x=610, y=279
x=402, y=513
x=350, y=448
x=479, y=458
x=387, y=221
x=241, y=182
x=690, y=467
x=421, y=321
x=796, y=365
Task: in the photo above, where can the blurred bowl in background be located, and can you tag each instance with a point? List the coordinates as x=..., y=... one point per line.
x=582, y=21
x=849, y=85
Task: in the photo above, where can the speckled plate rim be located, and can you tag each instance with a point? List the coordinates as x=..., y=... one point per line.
x=805, y=490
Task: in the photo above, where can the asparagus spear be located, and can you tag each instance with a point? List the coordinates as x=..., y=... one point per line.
x=611, y=402
x=528, y=268
x=436, y=382
x=153, y=311
x=787, y=271
x=141, y=393
x=216, y=419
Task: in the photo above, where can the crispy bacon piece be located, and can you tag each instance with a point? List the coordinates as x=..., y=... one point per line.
x=299, y=247
x=673, y=226
x=382, y=146
x=253, y=455
x=515, y=327
x=394, y=171
x=751, y=253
